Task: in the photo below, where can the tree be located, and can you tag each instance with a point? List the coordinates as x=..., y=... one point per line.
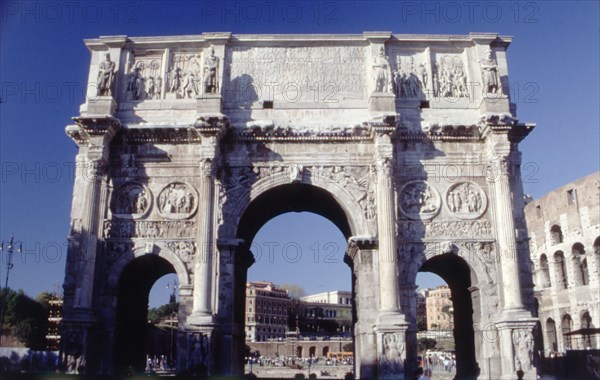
x=426, y=344
x=156, y=315
x=25, y=317
x=421, y=323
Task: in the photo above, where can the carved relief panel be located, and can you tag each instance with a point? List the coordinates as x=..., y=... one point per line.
x=185, y=75
x=450, y=75
x=466, y=200
x=144, y=77
x=131, y=201
x=418, y=200
x=412, y=78
x=177, y=201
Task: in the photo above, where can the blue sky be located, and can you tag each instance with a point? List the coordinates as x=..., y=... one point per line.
x=553, y=69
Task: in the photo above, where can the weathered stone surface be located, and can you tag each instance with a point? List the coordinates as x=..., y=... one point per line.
x=191, y=143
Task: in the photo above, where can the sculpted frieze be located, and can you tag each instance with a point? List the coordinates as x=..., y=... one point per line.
x=419, y=201
x=185, y=249
x=131, y=201
x=410, y=80
x=466, y=200
x=414, y=231
x=177, y=201
x=127, y=229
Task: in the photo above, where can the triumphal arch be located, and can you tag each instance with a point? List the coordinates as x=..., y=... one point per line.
x=189, y=144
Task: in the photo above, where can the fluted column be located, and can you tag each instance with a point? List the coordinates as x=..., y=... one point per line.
x=388, y=277
x=202, y=312
x=505, y=232
x=94, y=176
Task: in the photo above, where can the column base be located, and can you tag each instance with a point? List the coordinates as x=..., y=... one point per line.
x=390, y=320
x=201, y=319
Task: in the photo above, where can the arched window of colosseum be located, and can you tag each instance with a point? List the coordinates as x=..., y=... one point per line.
x=567, y=327
x=544, y=272
x=560, y=270
x=551, y=335
x=586, y=323
x=556, y=234
x=580, y=269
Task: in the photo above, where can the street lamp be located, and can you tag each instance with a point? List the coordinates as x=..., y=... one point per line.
x=9, y=265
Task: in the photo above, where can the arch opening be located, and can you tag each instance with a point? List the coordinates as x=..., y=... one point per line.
x=134, y=336
x=290, y=203
x=457, y=274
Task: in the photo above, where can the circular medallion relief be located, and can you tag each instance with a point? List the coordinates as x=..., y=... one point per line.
x=177, y=201
x=131, y=201
x=419, y=201
x=466, y=200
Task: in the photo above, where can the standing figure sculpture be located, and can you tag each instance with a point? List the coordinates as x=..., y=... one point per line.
x=105, y=76
x=491, y=84
x=211, y=64
x=383, y=75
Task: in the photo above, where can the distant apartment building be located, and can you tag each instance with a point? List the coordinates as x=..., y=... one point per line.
x=267, y=309
x=438, y=303
x=564, y=228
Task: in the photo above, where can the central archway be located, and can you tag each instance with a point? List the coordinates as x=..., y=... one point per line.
x=131, y=328
x=278, y=200
x=457, y=274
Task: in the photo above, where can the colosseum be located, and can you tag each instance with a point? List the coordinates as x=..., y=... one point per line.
x=565, y=250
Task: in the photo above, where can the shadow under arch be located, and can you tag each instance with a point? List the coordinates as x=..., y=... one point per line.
x=135, y=283
x=459, y=277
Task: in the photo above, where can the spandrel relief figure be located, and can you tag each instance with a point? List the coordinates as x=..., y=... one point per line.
x=489, y=70
x=106, y=73
x=383, y=73
x=211, y=65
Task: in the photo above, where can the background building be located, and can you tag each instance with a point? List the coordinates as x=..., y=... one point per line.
x=565, y=250
x=266, y=311
x=439, y=308
x=340, y=297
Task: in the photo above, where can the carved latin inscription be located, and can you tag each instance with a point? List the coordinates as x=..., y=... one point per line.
x=296, y=74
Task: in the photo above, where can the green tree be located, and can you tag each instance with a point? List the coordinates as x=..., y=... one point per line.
x=166, y=311
x=25, y=317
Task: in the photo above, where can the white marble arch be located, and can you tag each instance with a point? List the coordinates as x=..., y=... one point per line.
x=355, y=215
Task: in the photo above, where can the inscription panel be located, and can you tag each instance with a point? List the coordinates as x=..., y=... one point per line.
x=323, y=74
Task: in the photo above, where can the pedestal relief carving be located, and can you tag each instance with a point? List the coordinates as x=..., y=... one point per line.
x=419, y=201
x=131, y=201
x=177, y=201
x=466, y=200
x=523, y=345
x=392, y=354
